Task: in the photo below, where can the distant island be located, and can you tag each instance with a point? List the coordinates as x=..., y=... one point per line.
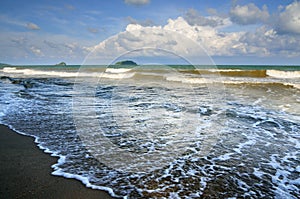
x=61, y=64
x=3, y=64
x=126, y=62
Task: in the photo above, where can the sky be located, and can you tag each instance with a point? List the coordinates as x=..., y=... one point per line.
x=227, y=32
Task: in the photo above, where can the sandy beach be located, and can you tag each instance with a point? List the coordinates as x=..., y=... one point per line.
x=25, y=172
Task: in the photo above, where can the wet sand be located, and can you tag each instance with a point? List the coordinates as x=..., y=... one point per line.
x=25, y=172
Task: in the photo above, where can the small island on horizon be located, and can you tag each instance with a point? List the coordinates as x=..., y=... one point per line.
x=61, y=64
x=4, y=64
x=126, y=62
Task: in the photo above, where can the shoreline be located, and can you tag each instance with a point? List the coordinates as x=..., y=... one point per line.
x=25, y=171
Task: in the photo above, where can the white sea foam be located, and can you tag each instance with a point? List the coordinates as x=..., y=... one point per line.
x=243, y=145
x=112, y=74
x=283, y=74
x=9, y=69
x=231, y=81
x=117, y=70
x=117, y=75
x=225, y=157
x=84, y=180
x=120, y=73
x=258, y=173
x=188, y=80
x=227, y=81
x=40, y=72
x=223, y=70
x=245, y=139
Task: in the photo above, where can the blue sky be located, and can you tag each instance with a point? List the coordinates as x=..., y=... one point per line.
x=231, y=32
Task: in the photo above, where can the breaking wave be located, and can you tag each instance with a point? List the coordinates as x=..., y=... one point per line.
x=283, y=74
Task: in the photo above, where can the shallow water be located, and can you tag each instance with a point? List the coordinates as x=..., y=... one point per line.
x=163, y=133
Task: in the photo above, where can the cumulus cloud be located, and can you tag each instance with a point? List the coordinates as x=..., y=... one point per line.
x=249, y=14
x=137, y=2
x=214, y=41
x=177, y=36
x=289, y=20
x=32, y=26
x=193, y=17
x=218, y=35
x=136, y=37
x=146, y=22
x=286, y=21
x=267, y=42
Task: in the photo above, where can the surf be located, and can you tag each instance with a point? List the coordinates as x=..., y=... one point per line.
x=283, y=74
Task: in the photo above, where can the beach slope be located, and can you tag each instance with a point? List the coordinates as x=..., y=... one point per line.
x=25, y=172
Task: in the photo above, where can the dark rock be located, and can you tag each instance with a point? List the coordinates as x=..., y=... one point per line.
x=61, y=64
x=127, y=62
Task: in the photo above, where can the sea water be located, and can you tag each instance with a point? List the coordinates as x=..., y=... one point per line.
x=163, y=131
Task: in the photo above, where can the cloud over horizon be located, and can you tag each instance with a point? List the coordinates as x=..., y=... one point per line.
x=193, y=17
x=249, y=14
x=243, y=30
x=265, y=41
x=289, y=19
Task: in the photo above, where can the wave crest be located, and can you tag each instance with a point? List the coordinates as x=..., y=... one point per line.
x=283, y=74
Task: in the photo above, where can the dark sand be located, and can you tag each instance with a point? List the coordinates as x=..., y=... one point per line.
x=25, y=172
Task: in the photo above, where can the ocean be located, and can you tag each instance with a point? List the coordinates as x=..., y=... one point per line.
x=163, y=131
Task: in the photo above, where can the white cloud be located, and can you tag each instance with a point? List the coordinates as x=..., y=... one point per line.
x=178, y=37
x=249, y=14
x=47, y=48
x=286, y=21
x=182, y=38
x=218, y=35
x=214, y=41
x=16, y=22
x=36, y=51
x=289, y=20
x=32, y=26
x=146, y=22
x=194, y=18
x=137, y=2
x=268, y=42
